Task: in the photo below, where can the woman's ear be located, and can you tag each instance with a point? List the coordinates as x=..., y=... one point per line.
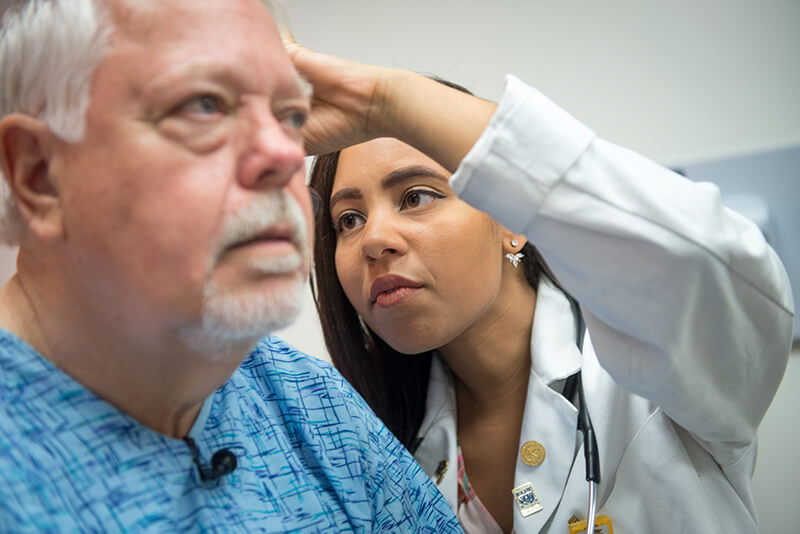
x=513, y=243
x=25, y=151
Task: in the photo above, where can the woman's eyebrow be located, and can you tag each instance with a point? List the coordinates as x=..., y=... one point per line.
x=348, y=193
x=413, y=171
x=395, y=177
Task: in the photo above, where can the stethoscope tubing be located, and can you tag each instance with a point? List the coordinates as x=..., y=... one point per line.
x=592, y=456
x=592, y=512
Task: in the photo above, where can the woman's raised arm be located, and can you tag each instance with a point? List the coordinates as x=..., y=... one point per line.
x=353, y=103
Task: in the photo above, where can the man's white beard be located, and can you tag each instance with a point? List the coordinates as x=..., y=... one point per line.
x=229, y=319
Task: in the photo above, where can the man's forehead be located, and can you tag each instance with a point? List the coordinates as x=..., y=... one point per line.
x=152, y=15
x=202, y=31
x=131, y=13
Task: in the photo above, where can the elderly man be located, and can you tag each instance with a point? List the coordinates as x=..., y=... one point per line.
x=154, y=170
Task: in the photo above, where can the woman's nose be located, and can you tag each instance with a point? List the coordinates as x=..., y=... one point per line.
x=382, y=237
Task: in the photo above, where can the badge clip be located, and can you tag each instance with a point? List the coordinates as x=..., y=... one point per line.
x=602, y=525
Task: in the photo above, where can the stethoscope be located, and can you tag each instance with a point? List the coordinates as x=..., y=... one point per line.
x=573, y=384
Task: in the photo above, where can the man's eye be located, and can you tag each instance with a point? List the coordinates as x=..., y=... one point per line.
x=204, y=105
x=348, y=221
x=297, y=119
x=419, y=197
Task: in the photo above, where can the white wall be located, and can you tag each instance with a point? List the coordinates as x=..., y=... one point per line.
x=7, y=263
x=677, y=81
x=673, y=80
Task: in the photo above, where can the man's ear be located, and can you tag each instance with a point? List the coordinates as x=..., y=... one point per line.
x=25, y=149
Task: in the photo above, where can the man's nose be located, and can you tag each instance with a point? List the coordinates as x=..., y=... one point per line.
x=273, y=153
x=383, y=236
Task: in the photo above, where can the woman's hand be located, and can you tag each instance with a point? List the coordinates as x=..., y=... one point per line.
x=345, y=108
x=354, y=102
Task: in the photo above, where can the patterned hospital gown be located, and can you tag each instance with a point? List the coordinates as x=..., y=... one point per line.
x=311, y=457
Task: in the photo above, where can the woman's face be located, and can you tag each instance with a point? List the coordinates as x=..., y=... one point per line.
x=419, y=265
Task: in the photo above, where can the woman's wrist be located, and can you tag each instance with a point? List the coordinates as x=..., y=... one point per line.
x=436, y=119
x=390, y=112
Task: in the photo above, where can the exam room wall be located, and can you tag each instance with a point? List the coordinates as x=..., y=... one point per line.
x=678, y=81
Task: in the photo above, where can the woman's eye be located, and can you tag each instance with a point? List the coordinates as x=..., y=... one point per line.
x=348, y=221
x=419, y=197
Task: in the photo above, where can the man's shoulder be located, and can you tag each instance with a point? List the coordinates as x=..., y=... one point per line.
x=291, y=377
x=322, y=415
x=12, y=348
x=309, y=402
x=274, y=357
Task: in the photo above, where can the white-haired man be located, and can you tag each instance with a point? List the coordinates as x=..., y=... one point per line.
x=154, y=170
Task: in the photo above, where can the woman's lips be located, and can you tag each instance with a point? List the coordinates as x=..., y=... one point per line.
x=395, y=296
x=391, y=289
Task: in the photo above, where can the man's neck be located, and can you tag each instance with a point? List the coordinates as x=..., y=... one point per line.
x=150, y=376
x=18, y=317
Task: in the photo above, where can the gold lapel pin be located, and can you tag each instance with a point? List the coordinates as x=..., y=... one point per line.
x=532, y=453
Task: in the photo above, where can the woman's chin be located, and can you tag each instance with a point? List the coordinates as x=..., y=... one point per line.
x=411, y=344
x=414, y=335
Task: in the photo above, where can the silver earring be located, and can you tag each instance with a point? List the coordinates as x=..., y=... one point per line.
x=515, y=258
x=514, y=243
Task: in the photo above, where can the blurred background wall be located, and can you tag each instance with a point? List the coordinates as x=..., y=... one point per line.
x=680, y=81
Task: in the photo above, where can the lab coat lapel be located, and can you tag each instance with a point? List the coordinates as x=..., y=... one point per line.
x=551, y=421
x=438, y=451
x=549, y=418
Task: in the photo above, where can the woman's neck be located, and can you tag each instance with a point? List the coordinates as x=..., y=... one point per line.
x=491, y=359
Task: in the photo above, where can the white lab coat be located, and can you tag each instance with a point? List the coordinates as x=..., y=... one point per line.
x=689, y=314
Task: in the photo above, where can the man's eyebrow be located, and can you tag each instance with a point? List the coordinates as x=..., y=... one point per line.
x=395, y=177
x=298, y=85
x=213, y=70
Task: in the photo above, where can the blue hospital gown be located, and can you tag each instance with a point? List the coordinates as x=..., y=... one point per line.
x=311, y=456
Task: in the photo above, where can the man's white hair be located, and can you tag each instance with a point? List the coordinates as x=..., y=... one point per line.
x=48, y=52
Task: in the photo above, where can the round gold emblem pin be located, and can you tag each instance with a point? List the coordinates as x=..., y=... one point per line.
x=532, y=453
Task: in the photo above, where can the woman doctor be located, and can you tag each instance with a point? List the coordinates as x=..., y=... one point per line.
x=428, y=311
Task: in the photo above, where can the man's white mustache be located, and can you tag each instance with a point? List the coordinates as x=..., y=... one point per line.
x=270, y=210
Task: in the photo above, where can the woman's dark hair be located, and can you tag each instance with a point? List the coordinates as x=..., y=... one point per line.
x=395, y=385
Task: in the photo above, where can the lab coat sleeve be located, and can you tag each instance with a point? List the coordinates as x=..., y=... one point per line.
x=686, y=303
